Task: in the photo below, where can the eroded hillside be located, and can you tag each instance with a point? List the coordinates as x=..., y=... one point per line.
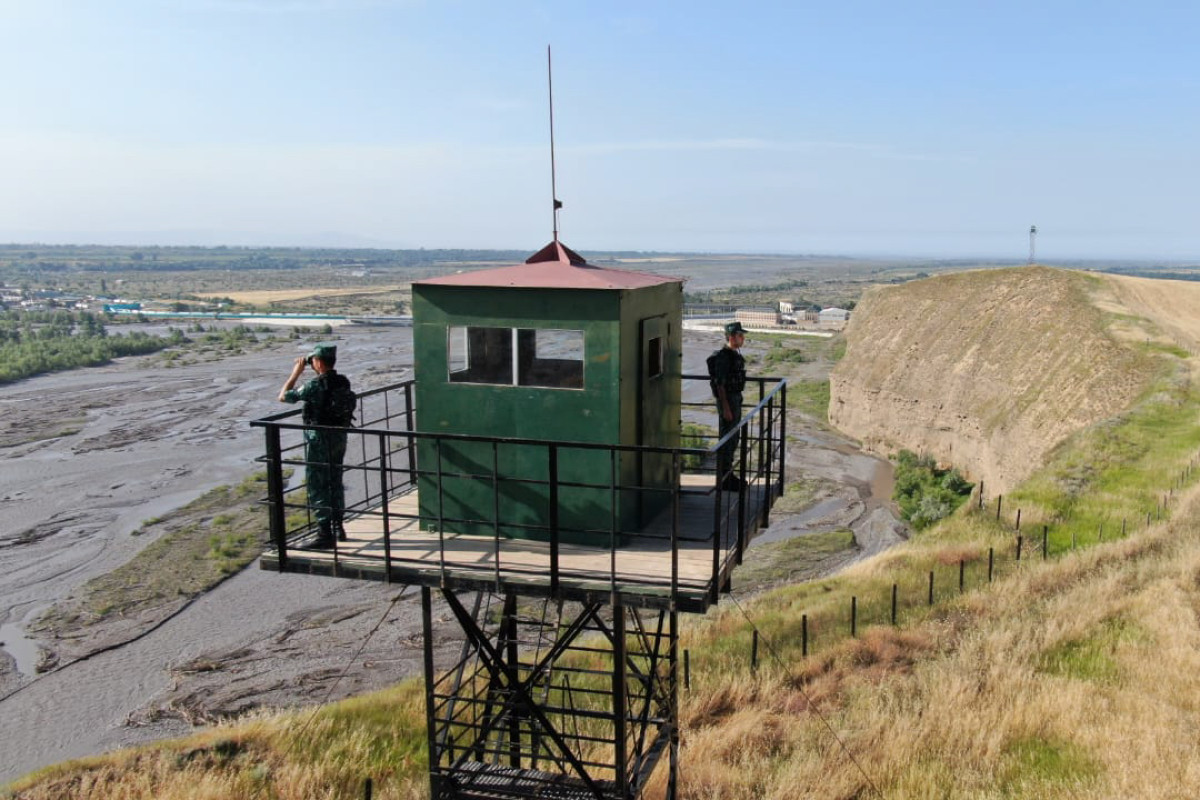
x=990, y=370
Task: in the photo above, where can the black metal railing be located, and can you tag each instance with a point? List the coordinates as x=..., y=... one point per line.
x=609, y=498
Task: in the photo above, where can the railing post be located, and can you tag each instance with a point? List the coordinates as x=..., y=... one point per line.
x=408, y=426
x=385, y=492
x=718, y=535
x=743, y=494
x=614, y=523
x=496, y=506
x=768, y=486
x=676, y=475
x=441, y=512
x=783, y=406
x=762, y=418
x=553, y=521
x=277, y=520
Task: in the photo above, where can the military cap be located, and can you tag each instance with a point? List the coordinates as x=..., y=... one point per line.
x=734, y=327
x=325, y=352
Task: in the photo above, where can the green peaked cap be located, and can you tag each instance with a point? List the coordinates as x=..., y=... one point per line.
x=325, y=352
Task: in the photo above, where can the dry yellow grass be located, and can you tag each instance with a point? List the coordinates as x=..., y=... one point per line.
x=1071, y=678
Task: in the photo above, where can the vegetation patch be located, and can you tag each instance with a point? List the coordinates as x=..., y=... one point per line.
x=809, y=397
x=205, y=542
x=795, y=559
x=1109, y=479
x=1033, y=762
x=1091, y=658
x=695, y=435
x=34, y=343
x=925, y=493
x=798, y=495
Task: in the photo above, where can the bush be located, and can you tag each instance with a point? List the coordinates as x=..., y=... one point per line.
x=925, y=493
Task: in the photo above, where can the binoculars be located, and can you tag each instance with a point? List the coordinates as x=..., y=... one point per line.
x=308, y=361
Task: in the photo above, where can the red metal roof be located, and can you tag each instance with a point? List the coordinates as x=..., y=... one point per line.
x=555, y=266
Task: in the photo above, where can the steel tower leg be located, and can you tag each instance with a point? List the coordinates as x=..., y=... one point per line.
x=574, y=707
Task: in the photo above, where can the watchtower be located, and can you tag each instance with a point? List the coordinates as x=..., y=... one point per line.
x=535, y=461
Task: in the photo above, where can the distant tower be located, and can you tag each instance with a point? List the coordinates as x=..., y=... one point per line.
x=1032, y=242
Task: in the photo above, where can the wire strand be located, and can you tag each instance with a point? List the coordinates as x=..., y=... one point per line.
x=317, y=710
x=808, y=699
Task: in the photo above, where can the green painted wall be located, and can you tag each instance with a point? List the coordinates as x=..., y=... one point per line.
x=604, y=411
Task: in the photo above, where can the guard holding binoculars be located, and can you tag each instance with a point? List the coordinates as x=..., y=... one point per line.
x=329, y=402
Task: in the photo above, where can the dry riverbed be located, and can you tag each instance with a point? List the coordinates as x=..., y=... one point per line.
x=101, y=464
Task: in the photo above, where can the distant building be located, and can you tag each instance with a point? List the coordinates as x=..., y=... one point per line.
x=757, y=317
x=834, y=318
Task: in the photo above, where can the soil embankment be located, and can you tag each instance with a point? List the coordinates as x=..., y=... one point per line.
x=990, y=370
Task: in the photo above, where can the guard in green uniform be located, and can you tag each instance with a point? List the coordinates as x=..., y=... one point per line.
x=729, y=379
x=324, y=450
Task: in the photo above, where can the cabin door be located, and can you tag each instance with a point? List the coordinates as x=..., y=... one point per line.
x=653, y=411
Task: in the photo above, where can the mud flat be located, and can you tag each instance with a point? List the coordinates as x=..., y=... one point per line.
x=87, y=456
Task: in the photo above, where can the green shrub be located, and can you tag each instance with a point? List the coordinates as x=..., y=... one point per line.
x=925, y=493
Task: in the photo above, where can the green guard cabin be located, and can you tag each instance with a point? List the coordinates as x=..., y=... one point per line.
x=552, y=349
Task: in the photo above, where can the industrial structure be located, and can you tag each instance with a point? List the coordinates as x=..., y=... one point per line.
x=536, y=461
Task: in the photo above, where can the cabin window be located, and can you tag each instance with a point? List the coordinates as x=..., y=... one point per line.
x=550, y=358
x=480, y=355
x=654, y=358
x=545, y=358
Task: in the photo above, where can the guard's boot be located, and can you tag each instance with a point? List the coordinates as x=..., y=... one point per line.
x=324, y=540
x=339, y=530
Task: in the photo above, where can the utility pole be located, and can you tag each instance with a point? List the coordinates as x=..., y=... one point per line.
x=1032, y=242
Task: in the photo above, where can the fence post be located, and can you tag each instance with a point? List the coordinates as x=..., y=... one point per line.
x=981, y=495
x=893, y=604
x=367, y=788
x=991, y=562
x=930, y=587
x=962, y=574
x=1045, y=542
x=754, y=651
x=853, y=616
x=1018, y=519
x=1019, y=540
x=687, y=670
x=999, y=502
x=804, y=635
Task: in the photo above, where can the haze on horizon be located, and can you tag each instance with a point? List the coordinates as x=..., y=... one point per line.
x=863, y=128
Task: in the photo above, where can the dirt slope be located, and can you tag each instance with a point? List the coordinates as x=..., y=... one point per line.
x=990, y=370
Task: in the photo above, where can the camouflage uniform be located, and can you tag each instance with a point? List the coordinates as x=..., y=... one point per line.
x=324, y=451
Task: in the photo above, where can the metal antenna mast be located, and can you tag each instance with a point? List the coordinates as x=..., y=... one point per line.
x=553, y=187
x=1032, y=242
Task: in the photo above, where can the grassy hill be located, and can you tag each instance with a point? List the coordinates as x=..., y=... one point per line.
x=1067, y=674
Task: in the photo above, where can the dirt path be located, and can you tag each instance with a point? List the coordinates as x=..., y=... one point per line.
x=138, y=442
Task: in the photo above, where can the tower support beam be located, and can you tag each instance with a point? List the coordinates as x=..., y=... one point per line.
x=539, y=706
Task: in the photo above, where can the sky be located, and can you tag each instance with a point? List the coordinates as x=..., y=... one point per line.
x=915, y=129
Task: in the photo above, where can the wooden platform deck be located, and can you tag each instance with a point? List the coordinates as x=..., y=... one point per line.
x=639, y=570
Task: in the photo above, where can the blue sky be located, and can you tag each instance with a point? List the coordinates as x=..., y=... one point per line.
x=859, y=128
